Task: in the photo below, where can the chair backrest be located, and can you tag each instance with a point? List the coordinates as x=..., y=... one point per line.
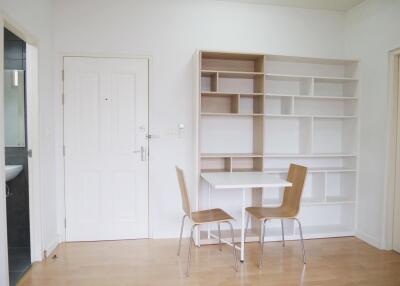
x=184, y=192
x=292, y=195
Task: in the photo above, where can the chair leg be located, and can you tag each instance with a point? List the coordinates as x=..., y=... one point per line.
x=233, y=246
x=302, y=241
x=247, y=226
x=180, y=237
x=190, y=249
x=283, y=234
x=262, y=234
x=219, y=237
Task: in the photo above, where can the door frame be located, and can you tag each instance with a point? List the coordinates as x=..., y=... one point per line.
x=33, y=135
x=392, y=184
x=62, y=201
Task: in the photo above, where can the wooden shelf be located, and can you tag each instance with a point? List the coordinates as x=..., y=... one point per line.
x=308, y=60
x=339, y=200
x=230, y=155
x=335, y=79
x=232, y=74
x=308, y=155
x=313, y=170
x=287, y=76
x=335, y=116
x=264, y=112
x=280, y=115
x=228, y=114
x=311, y=96
x=317, y=78
x=216, y=93
x=249, y=155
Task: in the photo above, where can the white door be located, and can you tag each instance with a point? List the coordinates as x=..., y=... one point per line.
x=396, y=221
x=106, y=168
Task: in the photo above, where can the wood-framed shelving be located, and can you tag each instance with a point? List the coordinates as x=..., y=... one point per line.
x=260, y=112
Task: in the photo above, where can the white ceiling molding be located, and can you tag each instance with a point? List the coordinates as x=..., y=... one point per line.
x=336, y=5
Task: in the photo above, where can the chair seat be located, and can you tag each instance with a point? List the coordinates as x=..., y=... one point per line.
x=261, y=213
x=209, y=216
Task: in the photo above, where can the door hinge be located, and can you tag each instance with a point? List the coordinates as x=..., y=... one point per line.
x=62, y=75
x=62, y=98
x=65, y=222
x=64, y=150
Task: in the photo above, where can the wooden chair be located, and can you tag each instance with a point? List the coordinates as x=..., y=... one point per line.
x=217, y=216
x=288, y=210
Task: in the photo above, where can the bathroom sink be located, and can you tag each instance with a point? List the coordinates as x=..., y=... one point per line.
x=12, y=171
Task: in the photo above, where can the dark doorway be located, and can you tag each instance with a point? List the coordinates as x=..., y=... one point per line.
x=16, y=156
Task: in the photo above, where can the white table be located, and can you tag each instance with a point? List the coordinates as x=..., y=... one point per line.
x=243, y=181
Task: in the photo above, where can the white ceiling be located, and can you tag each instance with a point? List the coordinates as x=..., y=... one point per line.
x=335, y=5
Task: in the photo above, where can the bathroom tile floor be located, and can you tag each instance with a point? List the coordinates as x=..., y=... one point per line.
x=19, y=259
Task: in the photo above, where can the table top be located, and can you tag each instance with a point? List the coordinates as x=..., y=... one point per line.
x=242, y=180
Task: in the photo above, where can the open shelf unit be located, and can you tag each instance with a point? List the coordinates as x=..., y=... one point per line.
x=260, y=112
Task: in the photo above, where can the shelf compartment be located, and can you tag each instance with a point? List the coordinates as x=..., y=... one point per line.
x=341, y=187
x=287, y=135
x=324, y=231
x=226, y=134
x=247, y=164
x=334, y=136
x=243, y=83
x=314, y=188
x=332, y=107
x=332, y=219
x=278, y=105
x=251, y=104
x=216, y=164
x=232, y=62
x=220, y=103
x=335, y=87
x=283, y=163
x=209, y=82
x=310, y=66
x=287, y=84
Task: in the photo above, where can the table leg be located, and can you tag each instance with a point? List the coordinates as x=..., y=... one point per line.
x=209, y=207
x=243, y=225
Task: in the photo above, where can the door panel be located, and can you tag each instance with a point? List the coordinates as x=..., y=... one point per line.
x=106, y=174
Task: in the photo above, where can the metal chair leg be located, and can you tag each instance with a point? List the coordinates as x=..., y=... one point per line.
x=219, y=237
x=302, y=241
x=190, y=249
x=180, y=237
x=247, y=226
x=233, y=245
x=283, y=234
x=262, y=234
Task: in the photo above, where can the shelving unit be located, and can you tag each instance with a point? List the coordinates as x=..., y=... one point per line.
x=263, y=112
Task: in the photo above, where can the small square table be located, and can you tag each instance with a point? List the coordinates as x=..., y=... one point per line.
x=243, y=181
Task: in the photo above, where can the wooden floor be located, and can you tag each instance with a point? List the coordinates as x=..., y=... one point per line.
x=339, y=261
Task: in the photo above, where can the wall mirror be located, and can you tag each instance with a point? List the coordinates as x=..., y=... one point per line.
x=14, y=108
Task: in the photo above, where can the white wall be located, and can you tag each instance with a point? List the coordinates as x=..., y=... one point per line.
x=170, y=32
x=34, y=20
x=372, y=30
